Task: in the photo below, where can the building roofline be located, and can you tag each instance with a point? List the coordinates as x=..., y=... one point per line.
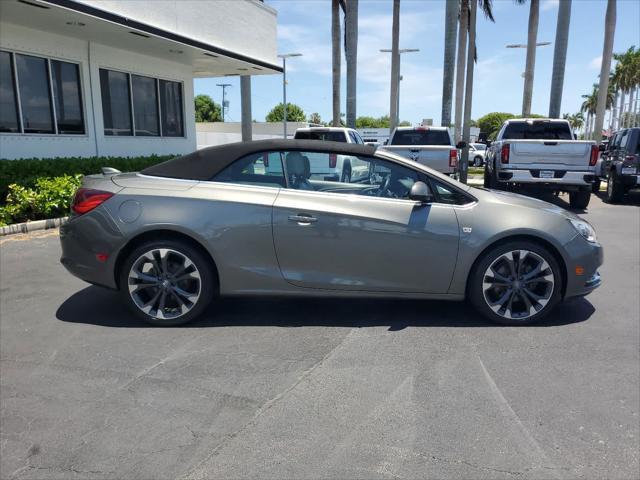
x=155, y=31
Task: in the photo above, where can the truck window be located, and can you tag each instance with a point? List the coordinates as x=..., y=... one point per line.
x=421, y=137
x=537, y=131
x=319, y=135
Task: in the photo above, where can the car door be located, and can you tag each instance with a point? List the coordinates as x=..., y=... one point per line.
x=343, y=236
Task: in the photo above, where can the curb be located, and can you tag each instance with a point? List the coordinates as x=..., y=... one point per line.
x=34, y=226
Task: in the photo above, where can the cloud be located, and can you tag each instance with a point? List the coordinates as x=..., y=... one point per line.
x=596, y=63
x=550, y=5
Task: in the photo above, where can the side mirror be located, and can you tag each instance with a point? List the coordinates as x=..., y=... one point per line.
x=420, y=192
x=602, y=147
x=461, y=145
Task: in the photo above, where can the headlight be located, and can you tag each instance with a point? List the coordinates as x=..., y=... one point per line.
x=584, y=229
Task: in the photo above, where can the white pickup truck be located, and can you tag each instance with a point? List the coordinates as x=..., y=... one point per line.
x=541, y=153
x=430, y=146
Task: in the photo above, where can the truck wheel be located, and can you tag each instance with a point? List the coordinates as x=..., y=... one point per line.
x=580, y=199
x=615, y=190
x=595, y=186
x=346, y=173
x=477, y=162
x=487, y=178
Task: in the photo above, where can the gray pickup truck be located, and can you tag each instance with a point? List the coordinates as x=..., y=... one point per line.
x=541, y=154
x=430, y=146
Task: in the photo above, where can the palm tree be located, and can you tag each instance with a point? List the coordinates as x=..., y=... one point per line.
x=626, y=76
x=590, y=105
x=559, y=57
x=460, y=66
x=486, y=6
x=395, y=65
x=468, y=100
x=335, y=55
x=351, y=54
x=607, y=50
x=576, y=120
x=450, y=37
x=532, y=38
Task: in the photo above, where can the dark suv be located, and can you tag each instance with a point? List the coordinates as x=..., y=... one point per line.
x=621, y=163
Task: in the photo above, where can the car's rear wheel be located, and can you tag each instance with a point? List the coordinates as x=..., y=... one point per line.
x=615, y=189
x=516, y=283
x=167, y=282
x=580, y=199
x=477, y=161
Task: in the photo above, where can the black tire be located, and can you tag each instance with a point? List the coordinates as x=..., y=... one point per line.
x=615, y=189
x=346, y=173
x=580, y=199
x=487, y=178
x=476, y=290
x=595, y=186
x=207, y=290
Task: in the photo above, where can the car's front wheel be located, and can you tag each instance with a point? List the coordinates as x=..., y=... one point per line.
x=516, y=283
x=167, y=282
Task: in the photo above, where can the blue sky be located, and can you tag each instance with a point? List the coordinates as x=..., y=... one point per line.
x=304, y=26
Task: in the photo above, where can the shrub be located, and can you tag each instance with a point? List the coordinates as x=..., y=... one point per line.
x=25, y=172
x=49, y=198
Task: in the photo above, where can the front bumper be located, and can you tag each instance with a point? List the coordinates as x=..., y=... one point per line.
x=583, y=261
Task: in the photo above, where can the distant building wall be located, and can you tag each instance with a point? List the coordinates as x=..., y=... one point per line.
x=219, y=133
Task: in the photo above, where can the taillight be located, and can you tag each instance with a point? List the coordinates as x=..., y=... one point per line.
x=333, y=160
x=265, y=159
x=86, y=199
x=504, y=153
x=453, y=158
x=595, y=152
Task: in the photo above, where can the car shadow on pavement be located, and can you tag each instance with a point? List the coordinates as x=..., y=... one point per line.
x=99, y=306
x=631, y=198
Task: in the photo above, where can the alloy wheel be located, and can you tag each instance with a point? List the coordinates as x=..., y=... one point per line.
x=518, y=284
x=164, y=283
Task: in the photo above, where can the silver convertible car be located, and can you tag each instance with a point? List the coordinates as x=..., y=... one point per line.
x=255, y=219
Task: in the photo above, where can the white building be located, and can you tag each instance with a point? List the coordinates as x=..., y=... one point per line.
x=115, y=77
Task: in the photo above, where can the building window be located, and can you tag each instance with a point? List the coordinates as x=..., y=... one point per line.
x=171, y=106
x=145, y=105
x=116, y=102
x=35, y=94
x=8, y=101
x=27, y=86
x=67, y=97
x=141, y=106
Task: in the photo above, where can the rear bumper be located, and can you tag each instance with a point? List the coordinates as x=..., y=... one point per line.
x=630, y=180
x=533, y=176
x=85, y=242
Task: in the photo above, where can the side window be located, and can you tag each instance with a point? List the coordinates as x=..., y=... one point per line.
x=264, y=169
x=347, y=174
x=624, y=139
x=449, y=195
x=355, y=137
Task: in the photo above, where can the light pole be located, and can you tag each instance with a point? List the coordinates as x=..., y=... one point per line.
x=529, y=71
x=395, y=121
x=284, y=57
x=224, y=95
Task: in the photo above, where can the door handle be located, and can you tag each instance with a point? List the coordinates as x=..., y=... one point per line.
x=302, y=219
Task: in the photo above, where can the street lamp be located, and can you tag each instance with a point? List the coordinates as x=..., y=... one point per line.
x=522, y=45
x=400, y=52
x=284, y=57
x=225, y=104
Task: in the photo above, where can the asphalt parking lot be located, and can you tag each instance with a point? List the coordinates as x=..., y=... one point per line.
x=307, y=389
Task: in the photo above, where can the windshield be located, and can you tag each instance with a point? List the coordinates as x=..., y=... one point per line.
x=479, y=146
x=320, y=135
x=543, y=130
x=421, y=137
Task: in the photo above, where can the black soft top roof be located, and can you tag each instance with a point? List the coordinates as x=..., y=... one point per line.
x=206, y=163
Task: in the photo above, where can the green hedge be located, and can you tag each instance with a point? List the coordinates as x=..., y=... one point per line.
x=26, y=172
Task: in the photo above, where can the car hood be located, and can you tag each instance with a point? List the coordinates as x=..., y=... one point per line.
x=517, y=200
